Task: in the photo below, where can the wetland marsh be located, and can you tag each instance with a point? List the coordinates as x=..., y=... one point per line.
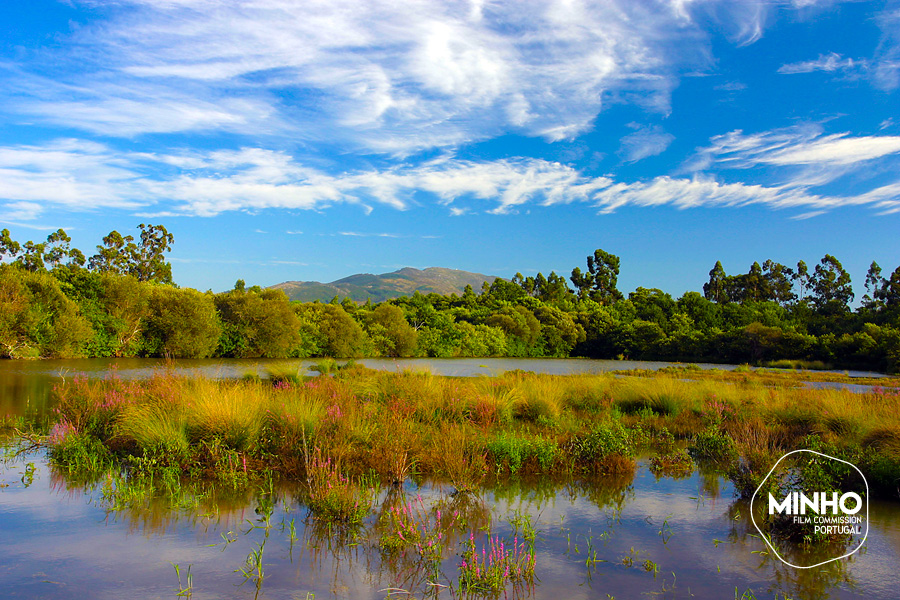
x=367, y=483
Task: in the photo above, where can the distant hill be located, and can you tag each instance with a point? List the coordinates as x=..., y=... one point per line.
x=404, y=282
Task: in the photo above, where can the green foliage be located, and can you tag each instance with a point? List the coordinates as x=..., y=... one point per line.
x=831, y=285
x=115, y=305
x=81, y=453
x=144, y=260
x=327, y=330
x=658, y=400
x=332, y=496
x=481, y=340
x=591, y=450
x=487, y=573
x=36, y=318
x=390, y=333
x=514, y=452
x=182, y=323
x=599, y=283
x=53, y=307
x=256, y=324
x=677, y=463
x=559, y=332
x=517, y=322
x=713, y=445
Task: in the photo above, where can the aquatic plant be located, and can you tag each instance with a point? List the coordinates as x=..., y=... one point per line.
x=185, y=589
x=712, y=445
x=409, y=526
x=605, y=448
x=495, y=565
x=331, y=495
x=677, y=463
x=253, y=568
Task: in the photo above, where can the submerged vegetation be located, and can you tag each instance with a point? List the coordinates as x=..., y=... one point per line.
x=122, y=302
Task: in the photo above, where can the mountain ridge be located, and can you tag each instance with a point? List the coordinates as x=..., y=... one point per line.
x=385, y=286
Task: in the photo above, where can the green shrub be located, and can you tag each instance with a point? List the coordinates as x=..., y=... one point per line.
x=81, y=454
x=677, y=464
x=509, y=450
x=712, y=445
x=602, y=440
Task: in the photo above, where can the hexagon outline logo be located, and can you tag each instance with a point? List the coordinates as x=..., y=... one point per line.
x=766, y=538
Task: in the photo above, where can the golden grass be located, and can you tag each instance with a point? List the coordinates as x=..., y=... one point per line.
x=398, y=424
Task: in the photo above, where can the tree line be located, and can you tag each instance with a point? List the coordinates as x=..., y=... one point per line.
x=122, y=302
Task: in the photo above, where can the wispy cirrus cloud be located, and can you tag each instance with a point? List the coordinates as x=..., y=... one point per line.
x=882, y=69
x=392, y=77
x=76, y=174
x=801, y=145
x=826, y=62
x=644, y=142
x=253, y=180
x=802, y=156
x=366, y=234
x=886, y=73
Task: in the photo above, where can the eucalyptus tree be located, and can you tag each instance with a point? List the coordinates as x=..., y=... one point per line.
x=145, y=260
x=716, y=289
x=874, y=284
x=831, y=285
x=599, y=282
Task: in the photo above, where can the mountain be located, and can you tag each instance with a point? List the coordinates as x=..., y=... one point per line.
x=404, y=282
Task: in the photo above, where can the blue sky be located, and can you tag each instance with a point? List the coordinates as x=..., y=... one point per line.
x=286, y=140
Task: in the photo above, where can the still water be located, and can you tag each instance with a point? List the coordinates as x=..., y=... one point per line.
x=631, y=537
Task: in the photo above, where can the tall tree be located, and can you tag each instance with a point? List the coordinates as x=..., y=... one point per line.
x=802, y=279
x=146, y=260
x=8, y=246
x=37, y=256
x=874, y=283
x=755, y=284
x=554, y=288
x=779, y=282
x=256, y=323
x=181, y=323
x=391, y=334
x=599, y=283
x=890, y=290
x=715, y=290
x=831, y=285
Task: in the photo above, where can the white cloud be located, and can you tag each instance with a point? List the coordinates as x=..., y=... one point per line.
x=360, y=234
x=149, y=113
x=73, y=174
x=644, y=142
x=801, y=156
x=882, y=69
x=255, y=180
x=391, y=77
x=886, y=73
x=692, y=193
x=826, y=62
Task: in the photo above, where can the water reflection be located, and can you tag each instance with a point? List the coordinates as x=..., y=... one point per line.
x=626, y=536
